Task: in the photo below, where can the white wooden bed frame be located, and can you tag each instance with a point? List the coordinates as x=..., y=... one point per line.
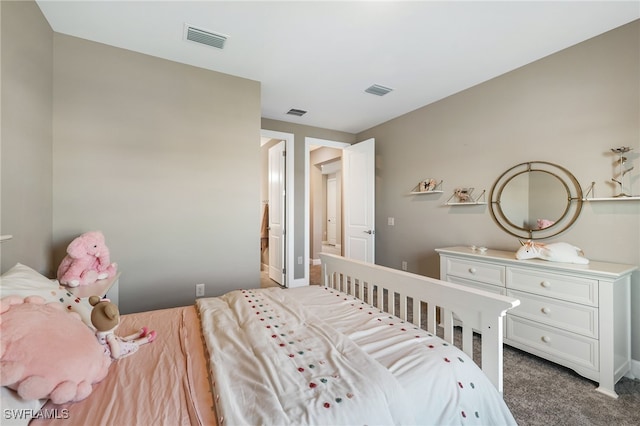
x=474, y=310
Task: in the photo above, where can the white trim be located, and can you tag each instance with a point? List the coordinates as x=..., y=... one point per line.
x=315, y=262
x=290, y=198
x=308, y=142
x=634, y=371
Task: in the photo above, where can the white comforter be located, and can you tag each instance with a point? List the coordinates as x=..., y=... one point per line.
x=318, y=356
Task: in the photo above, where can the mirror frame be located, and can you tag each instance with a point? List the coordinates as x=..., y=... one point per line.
x=571, y=210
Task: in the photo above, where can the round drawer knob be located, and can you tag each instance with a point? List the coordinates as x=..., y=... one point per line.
x=472, y=270
x=545, y=284
x=546, y=310
x=546, y=339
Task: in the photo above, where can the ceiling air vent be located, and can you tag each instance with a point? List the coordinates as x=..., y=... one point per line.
x=201, y=36
x=296, y=112
x=378, y=90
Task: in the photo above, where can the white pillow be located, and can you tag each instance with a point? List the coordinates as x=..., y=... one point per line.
x=23, y=281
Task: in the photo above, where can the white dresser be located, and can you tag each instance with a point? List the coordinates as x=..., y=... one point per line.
x=108, y=287
x=575, y=315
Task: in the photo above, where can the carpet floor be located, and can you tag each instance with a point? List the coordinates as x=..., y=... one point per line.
x=539, y=392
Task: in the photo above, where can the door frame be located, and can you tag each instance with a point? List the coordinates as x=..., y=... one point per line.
x=308, y=142
x=289, y=201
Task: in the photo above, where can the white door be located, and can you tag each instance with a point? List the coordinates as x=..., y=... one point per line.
x=277, y=212
x=332, y=207
x=359, y=201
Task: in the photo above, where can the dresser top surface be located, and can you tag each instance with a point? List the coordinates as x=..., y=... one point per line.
x=98, y=288
x=509, y=257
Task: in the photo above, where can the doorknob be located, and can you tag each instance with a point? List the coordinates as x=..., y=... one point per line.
x=370, y=231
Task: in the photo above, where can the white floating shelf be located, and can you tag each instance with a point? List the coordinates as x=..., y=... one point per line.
x=634, y=198
x=5, y=237
x=435, y=191
x=472, y=203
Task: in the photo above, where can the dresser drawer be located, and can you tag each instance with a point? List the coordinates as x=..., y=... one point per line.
x=478, y=285
x=578, y=350
x=563, y=287
x=557, y=313
x=476, y=271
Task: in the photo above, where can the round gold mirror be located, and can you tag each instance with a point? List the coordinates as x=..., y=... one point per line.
x=536, y=200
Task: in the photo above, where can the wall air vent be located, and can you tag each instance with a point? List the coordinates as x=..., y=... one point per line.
x=378, y=90
x=201, y=36
x=296, y=112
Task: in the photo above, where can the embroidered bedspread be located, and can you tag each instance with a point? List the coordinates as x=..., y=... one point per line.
x=317, y=356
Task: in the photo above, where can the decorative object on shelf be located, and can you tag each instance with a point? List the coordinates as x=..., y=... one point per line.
x=427, y=186
x=621, y=162
x=590, y=195
x=535, y=200
x=554, y=252
x=464, y=196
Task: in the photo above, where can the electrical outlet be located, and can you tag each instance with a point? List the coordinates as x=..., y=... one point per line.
x=404, y=265
x=199, y=290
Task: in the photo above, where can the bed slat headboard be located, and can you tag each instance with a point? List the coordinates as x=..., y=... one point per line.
x=428, y=302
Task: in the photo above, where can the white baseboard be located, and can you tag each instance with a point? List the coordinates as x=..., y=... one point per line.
x=314, y=262
x=634, y=372
x=299, y=282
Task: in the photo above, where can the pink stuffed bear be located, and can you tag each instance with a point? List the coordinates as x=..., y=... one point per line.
x=87, y=261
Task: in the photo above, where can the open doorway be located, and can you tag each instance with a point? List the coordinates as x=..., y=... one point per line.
x=325, y=202
x=358, y=199
x=276, y=193
x=318, y=153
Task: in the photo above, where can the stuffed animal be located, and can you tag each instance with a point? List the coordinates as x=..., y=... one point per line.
x=555, y=252
x=544, y=223
x=47, y=352
x=87, y=261
x=105, y=317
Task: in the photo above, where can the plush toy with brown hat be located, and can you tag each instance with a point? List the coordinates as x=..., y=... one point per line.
x=105, y=317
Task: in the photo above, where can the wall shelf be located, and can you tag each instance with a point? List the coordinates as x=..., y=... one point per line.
x=435, y=185
x=435, y=191
x=591, y=192
x=480, y=200
x=633, y=198
x=471, y=203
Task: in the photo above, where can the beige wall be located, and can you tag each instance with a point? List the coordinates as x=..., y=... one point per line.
x=26, y=141
x=164, y=159
x=570, y=108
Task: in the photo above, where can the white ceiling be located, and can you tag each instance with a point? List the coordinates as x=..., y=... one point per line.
x=321, y=56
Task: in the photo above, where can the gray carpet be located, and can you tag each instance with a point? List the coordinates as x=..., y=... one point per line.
x=539, y=392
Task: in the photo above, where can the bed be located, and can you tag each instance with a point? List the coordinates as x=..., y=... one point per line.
x=362, y=348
